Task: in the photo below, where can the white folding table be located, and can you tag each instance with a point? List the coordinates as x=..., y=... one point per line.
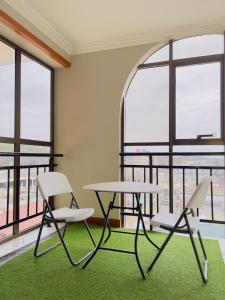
x=135, y=188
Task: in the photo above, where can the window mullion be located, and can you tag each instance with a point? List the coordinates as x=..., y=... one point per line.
x=16, y=188
x=223, y=94
x=171, y=122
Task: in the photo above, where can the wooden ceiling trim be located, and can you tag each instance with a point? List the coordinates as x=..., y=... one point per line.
x=33, y=39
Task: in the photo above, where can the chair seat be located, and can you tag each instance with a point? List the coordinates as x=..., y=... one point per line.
x=72, y=215
x=169, y=220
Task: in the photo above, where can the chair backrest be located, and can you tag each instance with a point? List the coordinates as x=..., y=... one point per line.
x=199, y=195
x=52, y=184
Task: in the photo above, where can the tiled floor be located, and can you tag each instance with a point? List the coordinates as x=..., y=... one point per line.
x=22, y=243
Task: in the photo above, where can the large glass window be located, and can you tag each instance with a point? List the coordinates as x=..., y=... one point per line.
x=25, y=126
x=176, y=102
x=181, y=99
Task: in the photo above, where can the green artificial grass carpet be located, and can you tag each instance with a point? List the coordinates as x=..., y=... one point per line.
x=113, y=275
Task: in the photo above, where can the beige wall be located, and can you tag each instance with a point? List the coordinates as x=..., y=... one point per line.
x=87, y=117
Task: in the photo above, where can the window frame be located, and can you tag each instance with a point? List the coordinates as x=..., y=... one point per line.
x=191, y=62
x=173, y=63
x=17, y=141
x=172, y=142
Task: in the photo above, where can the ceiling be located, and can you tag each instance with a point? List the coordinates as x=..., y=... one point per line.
x=80, y=26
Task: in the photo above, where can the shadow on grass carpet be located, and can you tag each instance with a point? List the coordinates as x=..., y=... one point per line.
x=113, y=275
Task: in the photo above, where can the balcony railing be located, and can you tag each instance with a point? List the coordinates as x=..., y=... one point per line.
x=19, y=196
x=179, y=173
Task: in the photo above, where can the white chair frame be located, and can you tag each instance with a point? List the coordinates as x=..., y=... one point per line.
x=201, y=191
x=48, y=218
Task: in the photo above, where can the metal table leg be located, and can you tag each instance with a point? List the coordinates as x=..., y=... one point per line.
x=136, y=245
x=106, y=224
x=102, y=236
x=143, y=223
x=104, y=214
x=137, y=233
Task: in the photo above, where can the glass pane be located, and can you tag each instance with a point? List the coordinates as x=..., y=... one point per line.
x=144, y=159
x=161, y=177
x=34, y=160
x=6, y=208
x=190, y=179
x=6, y=160
x=30, y=198
x=147, y=106
x=198, y=148
x=7, y=88
x=35, y=100
x=199, y=160
x=198, y=101
x=143, y=149
x=160, y=55
x=198, y=46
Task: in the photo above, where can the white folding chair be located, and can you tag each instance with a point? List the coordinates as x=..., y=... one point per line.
x=187, y=223
x=52, y=184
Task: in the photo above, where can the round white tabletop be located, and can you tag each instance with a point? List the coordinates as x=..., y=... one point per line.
x=124, y=187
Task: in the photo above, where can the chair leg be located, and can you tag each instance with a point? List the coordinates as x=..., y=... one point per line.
x=158, y=253
x=36, y=253
x=203, y=273
x=89, y=232
x=101, y=238
x=205, y=256
x=75, y=204
x=202, y=245
x=39, y=237
x=61, y=237
x=136, y=245
x=74, y=263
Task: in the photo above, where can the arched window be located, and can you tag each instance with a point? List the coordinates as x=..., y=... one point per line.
x=176, y=96
x=175, y=103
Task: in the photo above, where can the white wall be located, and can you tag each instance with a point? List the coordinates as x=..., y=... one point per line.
x=87, y=117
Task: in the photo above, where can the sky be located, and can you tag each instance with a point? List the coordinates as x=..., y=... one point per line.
x=35, y=100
